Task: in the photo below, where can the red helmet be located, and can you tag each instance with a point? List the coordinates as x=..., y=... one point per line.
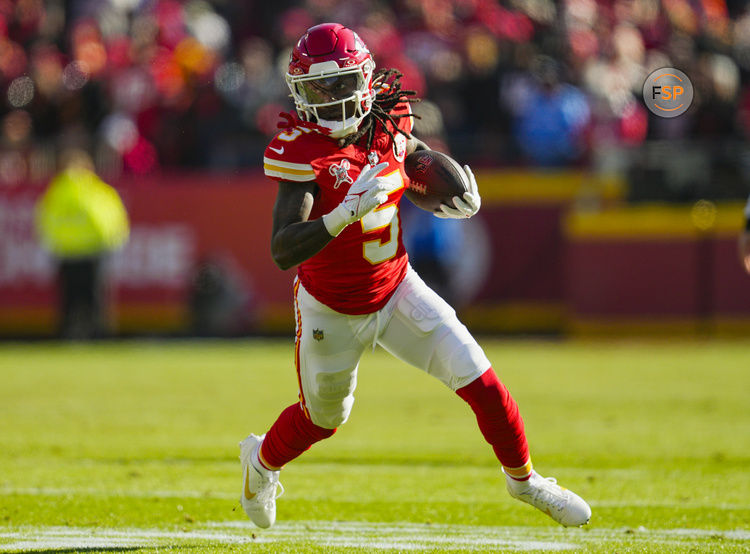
x=330, y=76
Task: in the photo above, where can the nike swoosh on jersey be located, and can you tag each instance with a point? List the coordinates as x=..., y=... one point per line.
x=279, y=151
x=248, y=495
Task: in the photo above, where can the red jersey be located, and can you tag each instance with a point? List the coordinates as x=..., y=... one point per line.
x=357, y=271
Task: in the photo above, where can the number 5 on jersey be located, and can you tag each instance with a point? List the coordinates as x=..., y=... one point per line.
x=377, y=251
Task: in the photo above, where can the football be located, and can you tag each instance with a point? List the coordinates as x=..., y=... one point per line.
x=434, y=179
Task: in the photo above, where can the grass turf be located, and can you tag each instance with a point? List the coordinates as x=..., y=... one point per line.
x=133, y=445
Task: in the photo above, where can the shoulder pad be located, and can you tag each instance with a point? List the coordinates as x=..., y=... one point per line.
x=286, y=158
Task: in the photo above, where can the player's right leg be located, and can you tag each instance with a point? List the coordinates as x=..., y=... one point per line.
x=328, y=346
x=423, y=330
x=501, y=425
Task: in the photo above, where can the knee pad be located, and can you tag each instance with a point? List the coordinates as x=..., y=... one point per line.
x=331, y=401
x=457, y=356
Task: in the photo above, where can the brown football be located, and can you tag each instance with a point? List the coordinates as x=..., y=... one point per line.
x=434, y=179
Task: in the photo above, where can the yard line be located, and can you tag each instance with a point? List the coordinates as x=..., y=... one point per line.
x=128, y=493
x=371, y=535
x=177, y=494
x=57, y=537
x=667, y=504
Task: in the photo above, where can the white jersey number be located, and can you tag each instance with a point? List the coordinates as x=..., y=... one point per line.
x=377, y=251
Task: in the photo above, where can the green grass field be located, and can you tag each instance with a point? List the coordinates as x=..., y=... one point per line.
x=133, y=447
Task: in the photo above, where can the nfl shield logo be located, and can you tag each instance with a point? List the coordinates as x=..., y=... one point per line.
x=318, y=334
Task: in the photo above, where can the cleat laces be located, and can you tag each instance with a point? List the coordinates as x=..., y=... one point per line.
x=267, y=493
x=562, y=505
x=549, y=497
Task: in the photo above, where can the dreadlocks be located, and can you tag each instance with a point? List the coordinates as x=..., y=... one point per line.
x=388, y=96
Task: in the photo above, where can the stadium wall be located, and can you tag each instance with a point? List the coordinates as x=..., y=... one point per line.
x=552, y=252
x=656, y=269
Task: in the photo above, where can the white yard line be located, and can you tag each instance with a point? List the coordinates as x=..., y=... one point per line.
x=177, y=494
x=381, y=536
x=662, y=504
x=126, y=493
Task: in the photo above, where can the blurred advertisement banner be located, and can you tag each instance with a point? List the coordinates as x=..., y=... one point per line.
x=550, y=252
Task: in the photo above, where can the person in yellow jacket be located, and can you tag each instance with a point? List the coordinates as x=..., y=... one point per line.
x=80, y=219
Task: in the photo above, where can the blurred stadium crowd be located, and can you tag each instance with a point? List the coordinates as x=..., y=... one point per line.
x=150, y=85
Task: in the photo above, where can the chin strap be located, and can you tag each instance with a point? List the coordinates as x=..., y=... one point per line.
x=291, y=120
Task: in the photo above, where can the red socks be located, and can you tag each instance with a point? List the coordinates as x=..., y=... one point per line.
x=290, y=436
x=497, y=415
x=500, y=422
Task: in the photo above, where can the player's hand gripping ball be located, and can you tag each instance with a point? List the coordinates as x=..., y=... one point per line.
x=439, y=185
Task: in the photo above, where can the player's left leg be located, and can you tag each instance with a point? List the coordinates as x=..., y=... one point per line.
x=423, y=330
x=328, y=346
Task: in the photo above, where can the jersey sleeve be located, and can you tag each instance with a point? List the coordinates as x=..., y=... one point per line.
x=285, y=160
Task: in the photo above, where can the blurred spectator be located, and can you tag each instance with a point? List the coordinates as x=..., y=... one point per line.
x=79, y=220
x=220, y=306
x=433, y=245
x=551, y=117
x=150, y=86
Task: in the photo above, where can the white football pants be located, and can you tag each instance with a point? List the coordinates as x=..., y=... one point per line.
x=416, y=326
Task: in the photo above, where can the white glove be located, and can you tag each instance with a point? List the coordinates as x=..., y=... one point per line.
x=366, y=193
x=466, y=207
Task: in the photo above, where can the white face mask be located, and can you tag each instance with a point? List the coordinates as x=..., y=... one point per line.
x=334, y=98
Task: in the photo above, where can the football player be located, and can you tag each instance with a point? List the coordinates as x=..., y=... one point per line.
x=340, y=168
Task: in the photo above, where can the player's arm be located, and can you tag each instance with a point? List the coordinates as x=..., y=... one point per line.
x=744, y=249
x=295, y=239
x=413, y=144
x=743, y=244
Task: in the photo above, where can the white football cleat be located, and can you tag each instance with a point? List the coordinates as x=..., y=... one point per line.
x=562, y=505
x=258, y=486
